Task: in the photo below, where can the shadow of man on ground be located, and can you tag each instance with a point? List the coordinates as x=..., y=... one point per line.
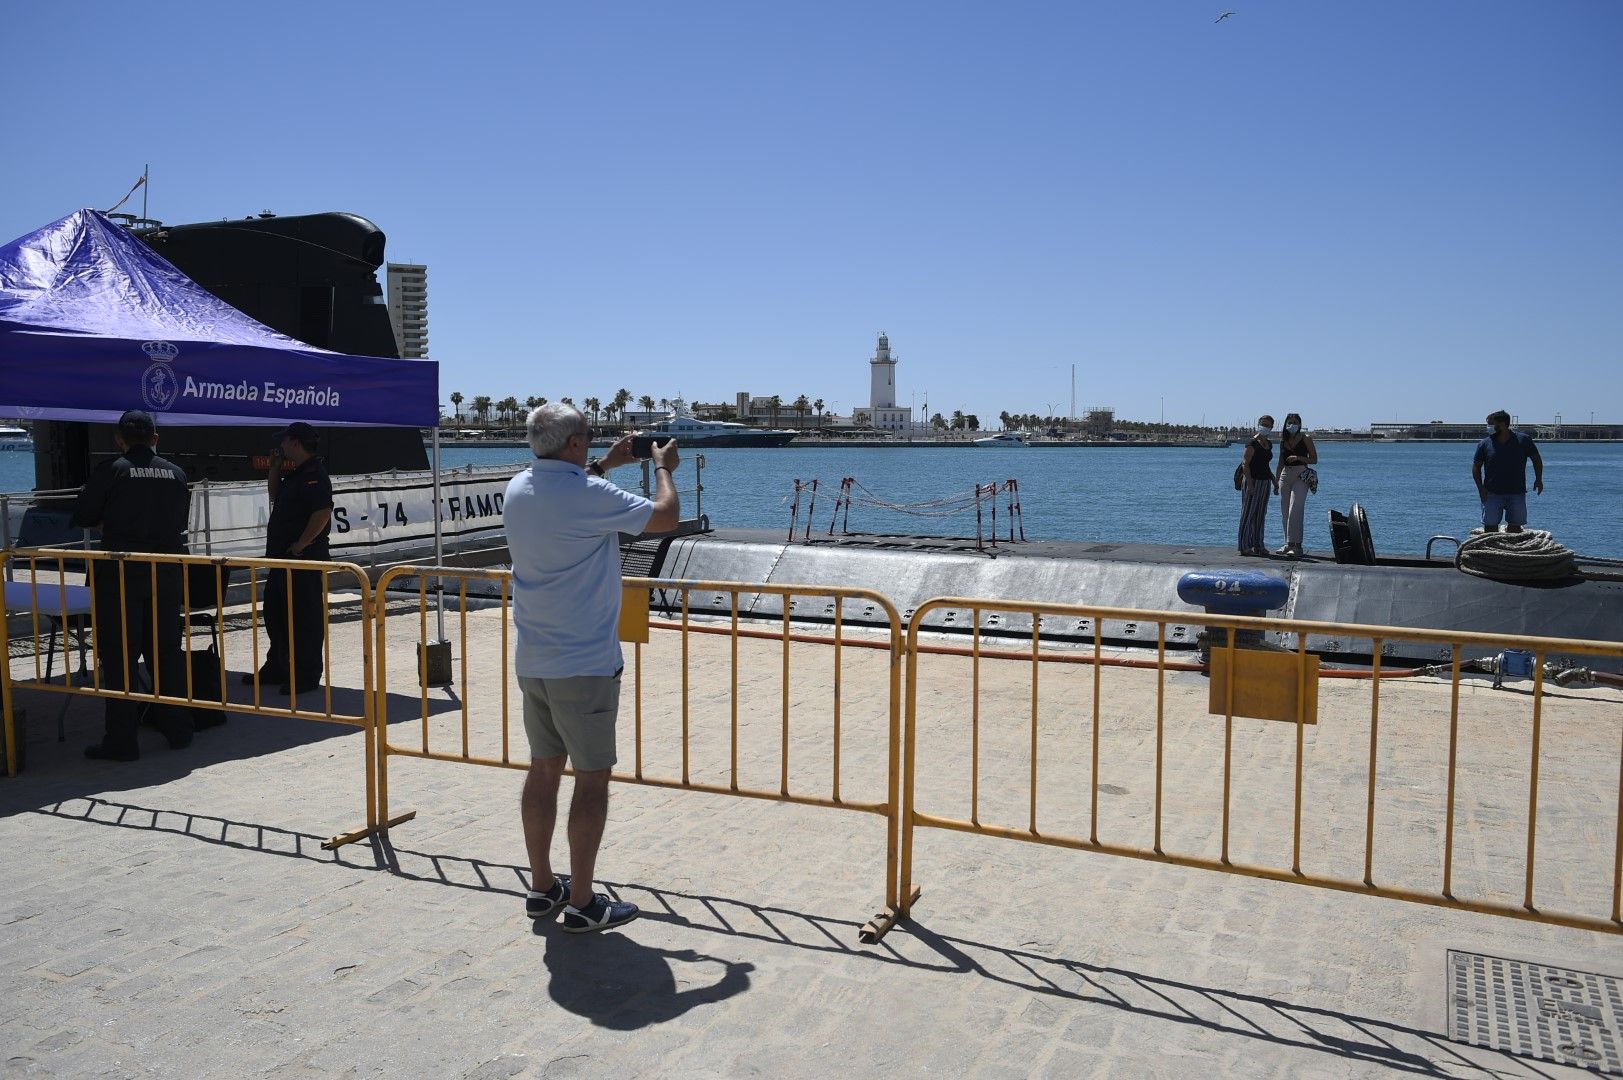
x=618, y=983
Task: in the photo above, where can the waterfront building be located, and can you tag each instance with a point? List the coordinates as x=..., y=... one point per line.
x=883, y=412
x=408, y=308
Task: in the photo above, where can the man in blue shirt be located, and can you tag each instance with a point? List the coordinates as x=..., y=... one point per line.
x=563, y=523
x=1500, y=471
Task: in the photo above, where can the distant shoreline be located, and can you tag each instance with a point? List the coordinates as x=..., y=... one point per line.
x=845, y=444
x=1035, y=444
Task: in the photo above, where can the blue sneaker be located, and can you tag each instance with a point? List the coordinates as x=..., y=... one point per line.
x=600, y=914
x=538, y=905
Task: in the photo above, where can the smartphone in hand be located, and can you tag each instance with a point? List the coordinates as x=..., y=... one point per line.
x=642, y=446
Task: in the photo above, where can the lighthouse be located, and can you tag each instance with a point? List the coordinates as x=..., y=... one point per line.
x=883, y=376
x=882, y=408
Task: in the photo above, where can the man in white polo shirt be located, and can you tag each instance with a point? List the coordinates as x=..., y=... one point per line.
x=563, y=523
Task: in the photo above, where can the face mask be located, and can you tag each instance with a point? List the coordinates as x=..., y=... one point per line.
x=1263, y=429
x=1293, y=428
x=1493, y=429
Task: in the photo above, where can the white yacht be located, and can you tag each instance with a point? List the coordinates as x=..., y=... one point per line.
x=691, y=431
x=15, y=438
x=1004, y=438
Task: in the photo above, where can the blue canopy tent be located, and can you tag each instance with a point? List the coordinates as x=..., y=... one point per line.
x=94, y=322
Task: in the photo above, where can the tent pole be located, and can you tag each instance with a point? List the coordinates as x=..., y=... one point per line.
x=439, y=539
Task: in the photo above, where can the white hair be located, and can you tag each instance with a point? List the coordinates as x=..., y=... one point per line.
x=550, y=426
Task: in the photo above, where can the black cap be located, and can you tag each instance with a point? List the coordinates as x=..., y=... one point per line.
x=298, y=430
x=137, y=424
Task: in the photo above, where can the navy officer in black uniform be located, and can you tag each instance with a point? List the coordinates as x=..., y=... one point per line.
x=300, y=518
x=140, y=502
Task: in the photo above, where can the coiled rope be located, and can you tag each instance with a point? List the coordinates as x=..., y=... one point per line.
x=1529, y=555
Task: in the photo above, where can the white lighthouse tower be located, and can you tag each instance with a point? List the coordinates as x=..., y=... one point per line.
x=884, y=413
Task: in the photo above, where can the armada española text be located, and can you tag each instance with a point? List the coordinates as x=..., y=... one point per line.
x=268, y=392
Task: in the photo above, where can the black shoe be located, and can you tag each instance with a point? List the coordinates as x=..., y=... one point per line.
x=102, y=752
x=538, y=905
x=265, y=677
x=601, y=914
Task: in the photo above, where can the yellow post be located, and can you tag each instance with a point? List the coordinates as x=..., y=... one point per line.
x=5, y=681
x=1453, y=762
x=1374, y=736
x=1532, y=785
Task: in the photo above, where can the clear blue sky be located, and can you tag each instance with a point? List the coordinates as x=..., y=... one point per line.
x=1358, y=211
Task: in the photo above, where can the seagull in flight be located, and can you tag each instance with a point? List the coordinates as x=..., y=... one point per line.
x=1223, y=16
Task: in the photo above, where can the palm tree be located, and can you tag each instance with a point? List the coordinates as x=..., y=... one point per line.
x=938, y=422
x=647, y=403
x=1005, y=419
x=592, y=407
x=774, y=405
x=456, y=403
x=818, y=405
x=957, y=419
x=860, y=418
x=567, y=401
x=802, y=406
x=507, y=406
x=622, y=398
x=481, y=408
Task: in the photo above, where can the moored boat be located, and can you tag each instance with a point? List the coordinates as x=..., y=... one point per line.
x=1004, y=438
x=690, y=431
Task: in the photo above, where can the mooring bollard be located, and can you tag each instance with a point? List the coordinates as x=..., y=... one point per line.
x=1233, y=592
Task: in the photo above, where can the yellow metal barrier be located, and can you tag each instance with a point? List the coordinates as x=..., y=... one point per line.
x=483, y=732
x=1019, y=734
x=1403, y=757
x=52, y=575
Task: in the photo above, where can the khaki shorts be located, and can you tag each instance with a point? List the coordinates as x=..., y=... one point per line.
x=572, y=716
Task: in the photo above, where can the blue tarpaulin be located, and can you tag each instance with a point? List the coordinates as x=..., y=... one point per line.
x=94, y=322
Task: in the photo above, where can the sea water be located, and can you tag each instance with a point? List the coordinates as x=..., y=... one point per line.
x=1162, y=495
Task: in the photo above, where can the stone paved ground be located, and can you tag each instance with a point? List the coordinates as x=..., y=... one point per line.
x=178, y=916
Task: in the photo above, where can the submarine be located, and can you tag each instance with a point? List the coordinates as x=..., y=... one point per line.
x=1356, y=585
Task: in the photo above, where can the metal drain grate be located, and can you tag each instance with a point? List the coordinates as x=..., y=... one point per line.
x=1535, y=1010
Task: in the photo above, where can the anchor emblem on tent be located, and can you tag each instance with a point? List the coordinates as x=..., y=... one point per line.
x=159, y=389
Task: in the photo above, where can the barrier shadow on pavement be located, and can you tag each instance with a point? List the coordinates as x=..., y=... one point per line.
x=402, y=708
x=59, y=771
x=1342, y=1036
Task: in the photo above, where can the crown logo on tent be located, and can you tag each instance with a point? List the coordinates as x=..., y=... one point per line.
x=159, y=389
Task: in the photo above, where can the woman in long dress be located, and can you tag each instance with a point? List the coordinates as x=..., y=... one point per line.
x=1257, y=482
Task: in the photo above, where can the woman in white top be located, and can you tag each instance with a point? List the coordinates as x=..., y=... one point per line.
x=1296, y=454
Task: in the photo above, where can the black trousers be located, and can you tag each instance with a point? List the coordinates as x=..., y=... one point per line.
x=307, y=631
x=139, y=625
